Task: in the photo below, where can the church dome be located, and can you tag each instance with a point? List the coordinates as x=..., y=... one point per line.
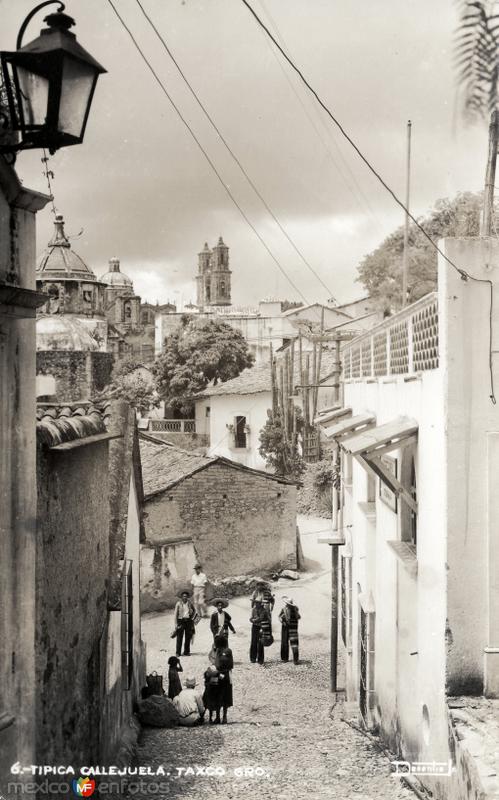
x=114, y=277
x=60, y=332
x=59, y=261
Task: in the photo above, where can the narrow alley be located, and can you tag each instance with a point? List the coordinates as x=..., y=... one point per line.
x=281, y=726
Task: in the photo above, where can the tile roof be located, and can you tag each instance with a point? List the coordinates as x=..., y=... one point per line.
x=58, y=423
x=163, y=466
x=257, y=379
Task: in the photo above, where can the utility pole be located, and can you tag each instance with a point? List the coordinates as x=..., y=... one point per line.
x=490, y=176
x=406, y=226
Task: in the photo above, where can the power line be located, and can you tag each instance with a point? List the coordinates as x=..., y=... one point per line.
x=328, y=130
x=350, y=140
x=207, y=157
x=462, y=272
x=229, y=149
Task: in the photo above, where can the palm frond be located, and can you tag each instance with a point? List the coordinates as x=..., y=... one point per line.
x=476, y=56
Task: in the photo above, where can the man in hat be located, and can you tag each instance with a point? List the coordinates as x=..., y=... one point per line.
x=198, y=583
x=184, y=623
x=220, y=622
x=189, y=704
x=289, y=617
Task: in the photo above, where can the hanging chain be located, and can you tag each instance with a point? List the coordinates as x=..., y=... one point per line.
x=50, y=177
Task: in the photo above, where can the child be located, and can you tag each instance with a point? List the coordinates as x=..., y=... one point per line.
x=211, y=696
x=174, y=684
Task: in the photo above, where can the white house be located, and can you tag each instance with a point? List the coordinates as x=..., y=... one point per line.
x=419, y=511
x=234, y=412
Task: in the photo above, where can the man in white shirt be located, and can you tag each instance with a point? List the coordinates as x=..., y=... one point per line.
x=189, y=704
x=199, y=581
x=184, y=623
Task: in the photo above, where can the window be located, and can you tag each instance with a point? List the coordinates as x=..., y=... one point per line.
x=207, y=412
x=366, y=672
x=409, y=517
x=208, y=291
x=240, y=432
x=128, y=310
x=127, y=626
x=222, y=288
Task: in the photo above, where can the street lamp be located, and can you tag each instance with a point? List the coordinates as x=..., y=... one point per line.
x=49, y=85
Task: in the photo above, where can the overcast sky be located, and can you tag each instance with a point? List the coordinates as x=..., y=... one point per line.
x=141, y=189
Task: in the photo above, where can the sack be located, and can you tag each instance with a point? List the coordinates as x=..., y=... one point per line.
x=267, y=640
x=155, y=683
x=196, y=618
x=224, y=661
x=158, y=712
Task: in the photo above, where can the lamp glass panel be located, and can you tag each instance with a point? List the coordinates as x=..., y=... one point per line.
x=77, y=81
x=34, y=93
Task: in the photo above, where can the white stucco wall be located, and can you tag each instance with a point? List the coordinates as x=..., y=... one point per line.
x=223, y=410
x=410, y=611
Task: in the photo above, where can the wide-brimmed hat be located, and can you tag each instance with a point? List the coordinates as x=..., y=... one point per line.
x=190, y=682
x=217, y=600
x=197, y=566
x=289, y=602
x=184, y=591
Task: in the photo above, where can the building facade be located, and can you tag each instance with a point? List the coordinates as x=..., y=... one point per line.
x=213, y=276
x=418, y=444
x=185, y=493
x=18, y=303
x=72, y=288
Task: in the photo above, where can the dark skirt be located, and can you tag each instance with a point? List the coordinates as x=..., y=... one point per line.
x=225, y=691
x=211, y=697
x=174, y=684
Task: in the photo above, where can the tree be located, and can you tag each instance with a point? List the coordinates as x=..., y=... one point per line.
x=477, y=52
x=127, y=383
x=380, y=272
x=281, y=454
x=199, y=352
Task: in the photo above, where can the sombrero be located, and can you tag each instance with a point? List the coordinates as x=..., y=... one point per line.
x=190, y=682
x=184, y=591
x=217, y=600
x=289, y=602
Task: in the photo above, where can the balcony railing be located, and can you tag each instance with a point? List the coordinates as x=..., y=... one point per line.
x=174, y=425
x=403, y=344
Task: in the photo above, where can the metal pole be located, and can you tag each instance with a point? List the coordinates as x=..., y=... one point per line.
x=490, y=176
x=406, y=226
x=334, y=617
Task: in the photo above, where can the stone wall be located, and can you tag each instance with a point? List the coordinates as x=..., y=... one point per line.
x=72, y=568
x=239, y=522
x=165, y=570
x=78, y=375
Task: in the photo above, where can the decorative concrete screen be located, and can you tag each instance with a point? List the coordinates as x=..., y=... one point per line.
x=403, y=344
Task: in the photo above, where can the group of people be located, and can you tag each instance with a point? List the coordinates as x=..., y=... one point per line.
x=190, y=702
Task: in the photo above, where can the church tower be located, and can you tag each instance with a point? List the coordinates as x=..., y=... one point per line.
x=213, y=278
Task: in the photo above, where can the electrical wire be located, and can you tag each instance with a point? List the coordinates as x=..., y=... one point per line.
x=465, y=276
x=312, y=123
x=204, y=152
x=229, y=149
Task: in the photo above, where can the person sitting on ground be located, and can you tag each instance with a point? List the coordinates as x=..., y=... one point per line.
x=289, y=617
x=221, y=621
x=189, y=704
x=224, y=663
x=174, y=684
x=211, y=696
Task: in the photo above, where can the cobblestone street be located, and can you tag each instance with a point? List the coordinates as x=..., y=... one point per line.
x=281, y=722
